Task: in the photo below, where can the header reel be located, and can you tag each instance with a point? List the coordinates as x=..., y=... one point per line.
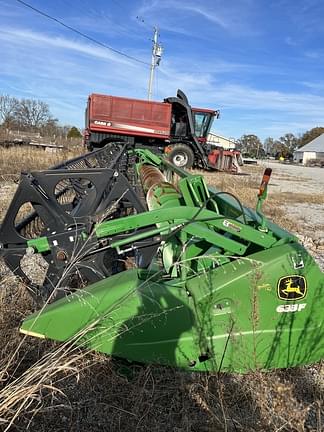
x=53, y=214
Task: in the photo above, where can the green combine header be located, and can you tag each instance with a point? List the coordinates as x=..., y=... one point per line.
x=146, y=262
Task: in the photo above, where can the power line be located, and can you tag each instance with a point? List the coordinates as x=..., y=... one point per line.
x=81, y=34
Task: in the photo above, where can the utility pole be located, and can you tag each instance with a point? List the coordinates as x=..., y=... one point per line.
x=156, y=58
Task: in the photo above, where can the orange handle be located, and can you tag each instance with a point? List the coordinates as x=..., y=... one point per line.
x=265, y=181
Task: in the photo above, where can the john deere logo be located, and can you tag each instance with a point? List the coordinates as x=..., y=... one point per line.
x=292, y=287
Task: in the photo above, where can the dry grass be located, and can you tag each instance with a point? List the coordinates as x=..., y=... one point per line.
x=297, y=197
x=246, y=189
x=46, y=386
x=13, y=160
x=50, y=387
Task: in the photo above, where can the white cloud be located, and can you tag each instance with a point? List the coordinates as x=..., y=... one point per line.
x=173, y=15
x=205, y=13
x=63, y=72
x=314, y=85
x=290, y=41
x=28, y=37
x=313, y=54
x=301, y=104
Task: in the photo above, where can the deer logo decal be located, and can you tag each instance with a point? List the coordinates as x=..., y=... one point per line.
x=292, y=287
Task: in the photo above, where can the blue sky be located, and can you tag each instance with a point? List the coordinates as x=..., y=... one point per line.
x=260, y=62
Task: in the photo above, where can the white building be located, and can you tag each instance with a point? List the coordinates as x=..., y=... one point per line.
x=312, y=150
x=219, y=140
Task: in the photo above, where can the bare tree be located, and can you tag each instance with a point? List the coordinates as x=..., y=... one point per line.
x=50, y=128
x=8, y=108
x=33, y=113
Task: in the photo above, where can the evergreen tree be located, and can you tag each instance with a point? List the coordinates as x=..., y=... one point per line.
x=74, y=133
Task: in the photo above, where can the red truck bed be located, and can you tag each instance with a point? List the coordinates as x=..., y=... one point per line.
x=119, y=115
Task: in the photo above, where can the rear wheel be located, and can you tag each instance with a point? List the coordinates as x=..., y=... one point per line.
x=181, y=156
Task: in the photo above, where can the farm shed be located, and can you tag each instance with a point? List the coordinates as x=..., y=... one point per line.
x=219, y=140
x=312, y=150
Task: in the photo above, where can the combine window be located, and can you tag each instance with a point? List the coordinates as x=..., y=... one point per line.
x=202, y=123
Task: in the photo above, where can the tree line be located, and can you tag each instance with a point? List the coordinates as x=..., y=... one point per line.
x=31, y=115
x=252, y=146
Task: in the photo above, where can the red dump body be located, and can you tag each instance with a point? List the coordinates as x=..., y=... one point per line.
x=118, y=115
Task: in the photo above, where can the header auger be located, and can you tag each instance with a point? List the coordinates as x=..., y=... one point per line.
x=145, y=262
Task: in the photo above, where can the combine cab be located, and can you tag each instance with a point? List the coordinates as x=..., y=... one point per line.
x=146, y=262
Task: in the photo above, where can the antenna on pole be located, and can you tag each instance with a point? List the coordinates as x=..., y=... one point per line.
x=157, y=51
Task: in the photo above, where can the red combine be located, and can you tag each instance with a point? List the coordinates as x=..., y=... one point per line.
x=172, y=127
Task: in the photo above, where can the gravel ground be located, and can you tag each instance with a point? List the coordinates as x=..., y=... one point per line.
x=308, y=181
x=295, y=179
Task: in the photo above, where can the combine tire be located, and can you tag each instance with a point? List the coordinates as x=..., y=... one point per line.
x=181, y=156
